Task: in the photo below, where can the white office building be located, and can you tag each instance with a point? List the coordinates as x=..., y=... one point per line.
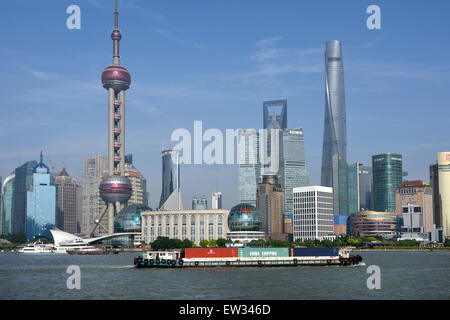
x=313, y=213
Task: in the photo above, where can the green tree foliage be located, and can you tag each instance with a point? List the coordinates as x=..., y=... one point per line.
x=447, y=243
x=164, y=243
x=221, y=242
x=212, y=243
x=16, y=238
x=204, y=243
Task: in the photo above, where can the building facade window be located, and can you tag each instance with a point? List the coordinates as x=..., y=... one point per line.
x=184, y=227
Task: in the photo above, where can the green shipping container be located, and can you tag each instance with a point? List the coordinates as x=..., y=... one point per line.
x=263, y=252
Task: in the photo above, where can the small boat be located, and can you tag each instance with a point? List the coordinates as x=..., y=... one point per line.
x=88, y=250
x=37, y=247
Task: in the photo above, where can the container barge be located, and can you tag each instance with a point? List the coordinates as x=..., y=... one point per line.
x=247, y=257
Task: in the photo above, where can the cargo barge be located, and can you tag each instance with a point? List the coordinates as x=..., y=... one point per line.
x=247, y=257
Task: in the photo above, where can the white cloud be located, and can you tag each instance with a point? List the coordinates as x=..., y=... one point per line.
x=44, y=75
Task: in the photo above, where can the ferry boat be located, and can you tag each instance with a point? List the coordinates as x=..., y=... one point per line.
x=37, y=247
x=246, y=257
x=87, y=250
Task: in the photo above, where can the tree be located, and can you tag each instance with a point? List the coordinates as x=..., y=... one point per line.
x=326, y=243
x=204, y=243
x=447, y=243
x=187, y=244
x=212, y=243
x=221, y=242
x=161, y=243
x=309, y=243
x=16, y=238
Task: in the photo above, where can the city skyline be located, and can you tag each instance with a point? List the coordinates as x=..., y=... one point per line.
x=60, y=82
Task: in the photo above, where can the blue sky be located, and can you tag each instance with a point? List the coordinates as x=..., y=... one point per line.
x=216, y=61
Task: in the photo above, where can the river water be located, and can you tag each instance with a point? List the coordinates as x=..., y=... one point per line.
x=403, y=275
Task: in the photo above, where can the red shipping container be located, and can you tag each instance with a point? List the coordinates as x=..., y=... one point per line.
x=190, y=253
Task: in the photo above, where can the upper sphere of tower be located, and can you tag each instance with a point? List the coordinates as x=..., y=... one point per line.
x=116, y=35
x=117, y=77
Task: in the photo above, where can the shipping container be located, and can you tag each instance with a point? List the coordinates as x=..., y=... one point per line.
x=190, y=253
x=314, y=252
x=263, y=252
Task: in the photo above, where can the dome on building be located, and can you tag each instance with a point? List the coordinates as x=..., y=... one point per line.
x=244, y=217
x=129, y=218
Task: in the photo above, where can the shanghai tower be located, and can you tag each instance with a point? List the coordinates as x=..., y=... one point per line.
x=335, y=129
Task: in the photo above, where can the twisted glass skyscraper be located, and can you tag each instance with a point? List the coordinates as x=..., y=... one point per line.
x=170, y=193
x=335, y=128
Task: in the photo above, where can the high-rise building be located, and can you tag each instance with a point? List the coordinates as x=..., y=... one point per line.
x=22, y=183
x=434, y=182
x=387, y=176
x=444, y=191
x=340, y=186
x=334, y=154
x=270, y=202
x=275, y=110
x=95, y=168
x=415, y=199
x=313, y=213
x=249, y=165
x=353, y=187
x=170, y=192
x=7, y=204
x=216, y=201
x=41, y=204
x=138, y=183
x=199, y=204
x=365, y=188
x=335, y=128
x=292, y=171
x=359, y=187
x=68, y=195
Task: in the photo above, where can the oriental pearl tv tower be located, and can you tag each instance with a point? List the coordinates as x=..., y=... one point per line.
x=115, y=189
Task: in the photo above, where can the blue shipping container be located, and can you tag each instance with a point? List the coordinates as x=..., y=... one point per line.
x=313, y=252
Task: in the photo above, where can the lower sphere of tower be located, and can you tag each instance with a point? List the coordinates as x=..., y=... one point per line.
x=115, y=188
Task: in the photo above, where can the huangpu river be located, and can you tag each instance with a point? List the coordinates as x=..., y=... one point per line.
x=403, y=275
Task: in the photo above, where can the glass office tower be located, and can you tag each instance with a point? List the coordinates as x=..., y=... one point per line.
x=170, y=174
x=292, y=165
x=365, y=188
x=434, y=181
x=41, y=204
x=7, y=204
x=353, y=187
x=249, y=165
x=335, y=128
x=22, y=183
x=275, y=109
x=387, y=176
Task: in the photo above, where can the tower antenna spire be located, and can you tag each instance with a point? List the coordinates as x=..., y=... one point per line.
x=116, y=17
x=116, y=36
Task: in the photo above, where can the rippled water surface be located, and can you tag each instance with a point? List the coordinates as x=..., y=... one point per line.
x=404, y=275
